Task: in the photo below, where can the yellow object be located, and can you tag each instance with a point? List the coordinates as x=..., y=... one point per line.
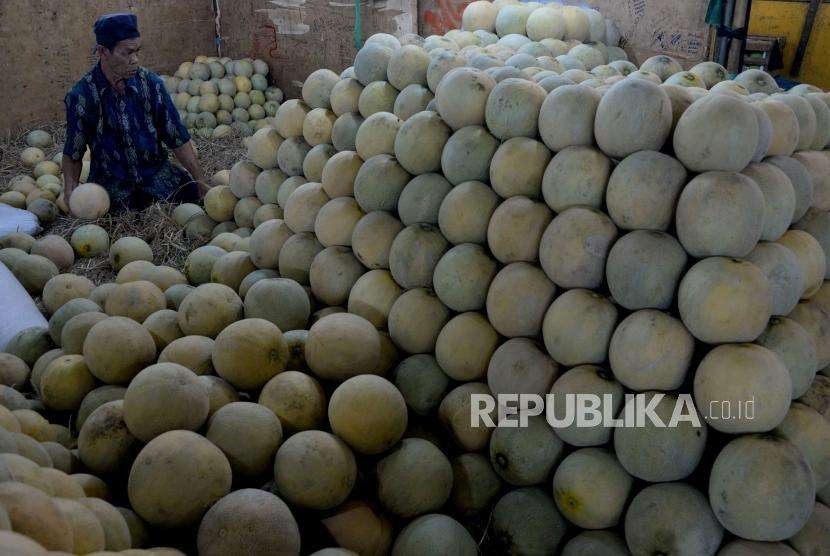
x=786, y=19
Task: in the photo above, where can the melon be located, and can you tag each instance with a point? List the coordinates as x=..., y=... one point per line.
x=650, y=350
x=517, y=167
x=376, y=135
x=414, y=254
x=342, y=345
x=128, y=249
x=807, y=429
x=805, y=115
x=89, y=201
x=199, y=263
x=136, y=300
x=164, y=397
x=568, y=256
x=249, y=352
x=317, y=126
x=208, y=309
x=344, y=96
x=414, y=462
x=479, y=15
x=176, y=478
x=163, y=326
x=248, y=434
x=250, y=520
x=63, y=288
x=33, y=514
x=590, y=488
x=810, y=257
x=412, y=99
x=34, y=272
x=344, y=131
x=297, y=399
x=408, y=66
x=818, y=166
x=634, y=115
x=378, y=96
x=371, y=62
x=192, y=352
x=672, y=517
x=367, y=432
x=434, y=533
x=718, y=132
x=462, y=95
x=709, y=225
x=296, y=256
x=467, y=154
x=13, y=199
x=779, y=197
x=303, y=205
x=419, y=143
x=796, y=348
x=231, y=268
x=515, y=229
x=801, y=181
x=770, y=509
x=66, y=382
x=576, y=175
x=785, y=130
x=440, y=64
x=242, y=178
x=755, y=373
x=566, y=117
x=262, y=148
x=105, y=445
x=643, y=269
x=45, y=167
x=267, y=185
x=508, y=369
x=572, y=343
x=291, y=154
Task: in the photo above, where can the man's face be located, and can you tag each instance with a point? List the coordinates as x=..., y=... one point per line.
x=122, y=60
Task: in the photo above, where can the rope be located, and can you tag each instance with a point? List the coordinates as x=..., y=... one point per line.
x=358, y=31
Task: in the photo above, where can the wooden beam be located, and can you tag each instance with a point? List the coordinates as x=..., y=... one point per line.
x=806, y=31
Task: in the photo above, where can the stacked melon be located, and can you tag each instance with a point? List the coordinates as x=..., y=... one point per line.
x=425, y=227
x=217, y=95
x=515, y=229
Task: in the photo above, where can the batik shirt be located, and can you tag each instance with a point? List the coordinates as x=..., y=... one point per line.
x=127, y=134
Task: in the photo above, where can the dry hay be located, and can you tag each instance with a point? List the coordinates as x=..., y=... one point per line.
x=153, y=224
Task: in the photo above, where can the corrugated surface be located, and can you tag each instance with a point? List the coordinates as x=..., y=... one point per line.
x=46, y=45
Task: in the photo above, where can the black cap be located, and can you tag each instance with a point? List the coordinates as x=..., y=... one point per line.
x=111, y=29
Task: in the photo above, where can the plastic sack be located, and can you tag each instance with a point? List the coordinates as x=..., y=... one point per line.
x=17, y=309
x=17, y=220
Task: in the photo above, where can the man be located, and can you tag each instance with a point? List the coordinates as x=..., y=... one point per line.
x=125, y=115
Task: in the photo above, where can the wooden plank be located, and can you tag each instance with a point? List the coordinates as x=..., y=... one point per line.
x=806, y=31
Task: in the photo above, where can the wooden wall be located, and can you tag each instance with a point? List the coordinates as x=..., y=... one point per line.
x=297, y=37
x=46, y=45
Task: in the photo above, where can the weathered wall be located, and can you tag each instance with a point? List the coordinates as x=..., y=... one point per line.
x=786, y=19
x=46, y=45
x=297, y=37
x=648, y=27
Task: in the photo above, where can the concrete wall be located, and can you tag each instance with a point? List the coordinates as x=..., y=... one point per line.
x=297, y=37
x=46, y=45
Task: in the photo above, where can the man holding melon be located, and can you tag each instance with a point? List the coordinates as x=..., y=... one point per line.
x=123, y=113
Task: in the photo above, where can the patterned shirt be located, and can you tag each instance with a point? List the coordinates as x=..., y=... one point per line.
x=127, y=134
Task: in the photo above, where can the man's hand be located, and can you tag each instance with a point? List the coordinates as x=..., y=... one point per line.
x=203, y=188
x=187, y=156
x=71, y=176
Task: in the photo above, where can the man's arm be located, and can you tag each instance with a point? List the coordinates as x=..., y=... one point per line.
x=186, y=155
x=71, y=175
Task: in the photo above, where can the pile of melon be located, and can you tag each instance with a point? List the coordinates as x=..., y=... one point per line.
x=438, y=222
x=40, y=192
x=216, y=96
